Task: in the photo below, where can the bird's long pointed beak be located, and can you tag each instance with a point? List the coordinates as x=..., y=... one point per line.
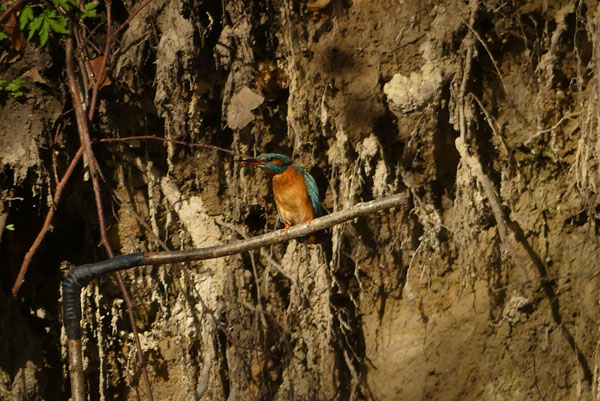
x=250, y=162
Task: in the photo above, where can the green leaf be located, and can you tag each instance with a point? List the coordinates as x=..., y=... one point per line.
x=64, y=4
x=25, y=16
x=44, y=32
x=35, y=25
x=89, y=10
x=10, y=227
x=14, y=85
x=3, y=35
x=58, y=25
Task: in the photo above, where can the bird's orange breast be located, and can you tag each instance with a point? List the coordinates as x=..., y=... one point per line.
x=291, y=198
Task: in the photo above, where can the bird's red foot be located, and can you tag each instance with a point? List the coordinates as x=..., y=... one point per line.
x=287, y=227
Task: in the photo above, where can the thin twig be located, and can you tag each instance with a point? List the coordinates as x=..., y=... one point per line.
x=470, y=25
x=141, y=221
x=489, y=54
x=102, y=74
x=158, y=138
x=85, y=67
x=491, y=123
x=473, y=162
x=46, y=226
x=55, y=139
x=128, y=20
x=54, y=161
x=109, y=39
x=555, y=126
x=477, y=170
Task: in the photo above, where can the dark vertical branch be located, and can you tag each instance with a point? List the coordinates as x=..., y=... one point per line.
x=84, y=135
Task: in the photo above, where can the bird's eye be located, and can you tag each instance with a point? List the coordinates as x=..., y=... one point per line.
x=269, y=159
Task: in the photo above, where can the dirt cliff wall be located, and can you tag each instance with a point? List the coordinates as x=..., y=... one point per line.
x=484, y=287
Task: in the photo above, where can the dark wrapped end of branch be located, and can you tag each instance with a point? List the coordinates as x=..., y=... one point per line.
x=81, y=276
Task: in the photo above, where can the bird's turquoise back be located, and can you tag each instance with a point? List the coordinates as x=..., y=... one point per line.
x=311, y=188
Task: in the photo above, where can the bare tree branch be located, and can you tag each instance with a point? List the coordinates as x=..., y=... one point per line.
x=84, y=135
x=300, y=230
x=46, y=226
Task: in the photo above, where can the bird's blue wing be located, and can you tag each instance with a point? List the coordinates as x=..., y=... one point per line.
x=313, y=192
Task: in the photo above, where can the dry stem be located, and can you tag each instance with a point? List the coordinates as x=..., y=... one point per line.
x=84, y=135
x=46, y=226
x=158, y=138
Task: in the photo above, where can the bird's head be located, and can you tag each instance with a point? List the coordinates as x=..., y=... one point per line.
x=273, y=163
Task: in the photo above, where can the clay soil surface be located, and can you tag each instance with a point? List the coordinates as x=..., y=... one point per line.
x=482, y=286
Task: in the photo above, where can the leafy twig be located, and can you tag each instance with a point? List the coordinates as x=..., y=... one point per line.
x=12, y=8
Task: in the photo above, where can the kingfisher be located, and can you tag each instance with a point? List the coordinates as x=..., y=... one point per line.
x=295, y=190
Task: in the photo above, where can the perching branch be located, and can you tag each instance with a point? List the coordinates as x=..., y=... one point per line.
x=301, y=230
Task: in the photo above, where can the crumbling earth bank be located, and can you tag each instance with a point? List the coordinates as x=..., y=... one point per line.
x=483, y=287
